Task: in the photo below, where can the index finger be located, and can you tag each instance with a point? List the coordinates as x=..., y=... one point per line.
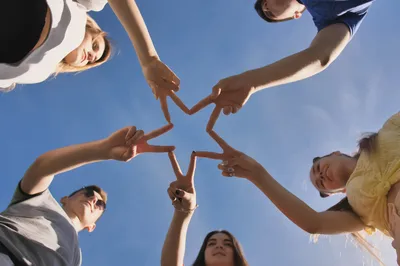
x=219, y=140
x=192, y=166
x=210, y=155
x=164, y=108
x=158, y=132
x=213, y=118
x=202, y=104
x=179, y=102
x=175, y=164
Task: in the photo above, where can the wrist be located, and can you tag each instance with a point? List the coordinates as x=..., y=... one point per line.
x=258, y=174
x=103, y=149
x=147, y=60
x=184, y=216
x=257, y=80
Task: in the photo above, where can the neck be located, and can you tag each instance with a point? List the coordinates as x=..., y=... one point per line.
x=76, y=222
x=350, y=167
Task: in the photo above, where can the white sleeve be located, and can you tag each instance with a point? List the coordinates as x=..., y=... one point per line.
x=92, y=5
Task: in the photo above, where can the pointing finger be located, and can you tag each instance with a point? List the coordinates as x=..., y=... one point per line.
x=213, y=118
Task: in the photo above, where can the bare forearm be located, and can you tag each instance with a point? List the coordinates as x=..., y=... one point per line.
x=173, y=251
x=291, y=206
x=290, y=69
x=131, y=19
x=40, y=174
x=327, y=45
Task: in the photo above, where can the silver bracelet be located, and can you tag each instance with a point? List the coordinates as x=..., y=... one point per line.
x=186, y=211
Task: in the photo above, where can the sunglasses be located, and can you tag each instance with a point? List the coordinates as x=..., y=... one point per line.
x=89, y=192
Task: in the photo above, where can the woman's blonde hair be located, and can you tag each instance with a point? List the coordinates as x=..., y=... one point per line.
x=62, y=67
x=93, y=28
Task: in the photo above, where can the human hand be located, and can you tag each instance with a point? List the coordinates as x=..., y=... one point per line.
x=234, y=162
x=163, y=82
x=128, y=142
x=229, y=95
x=182, y=191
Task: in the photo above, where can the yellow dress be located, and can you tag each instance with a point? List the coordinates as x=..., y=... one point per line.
x=374, y=175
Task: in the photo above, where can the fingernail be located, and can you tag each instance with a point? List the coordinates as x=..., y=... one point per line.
x=177, y=192
x=224, y=163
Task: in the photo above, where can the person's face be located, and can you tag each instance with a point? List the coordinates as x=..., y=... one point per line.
x=281, y=9
x=87, y=205
x=89, y=52
x=330, y=174
x=219, y=251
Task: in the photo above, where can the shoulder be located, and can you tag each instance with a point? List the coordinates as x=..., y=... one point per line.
x=349, y=13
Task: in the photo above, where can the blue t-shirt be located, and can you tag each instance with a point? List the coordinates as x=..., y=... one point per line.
x=328, y=12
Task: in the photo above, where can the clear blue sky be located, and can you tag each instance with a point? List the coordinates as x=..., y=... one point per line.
x=282, y=127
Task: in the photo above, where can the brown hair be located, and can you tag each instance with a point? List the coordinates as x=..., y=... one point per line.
x=93, y=28
x=260, y=12
x=368, y=145
x=239, y=259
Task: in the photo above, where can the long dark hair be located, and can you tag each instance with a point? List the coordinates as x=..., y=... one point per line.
x=367, y=145
x=238, y=256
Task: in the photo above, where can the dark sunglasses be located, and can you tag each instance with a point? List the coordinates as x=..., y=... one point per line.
x=89, y=192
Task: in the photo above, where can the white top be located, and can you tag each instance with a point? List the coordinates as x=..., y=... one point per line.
x=68, y=22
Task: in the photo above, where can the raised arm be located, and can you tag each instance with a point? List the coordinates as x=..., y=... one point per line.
x=131, y=19
x=324, y=49
x=232, y=93
x=238, y=164
x=311, y=221
x=183, y=196
x=122, y=145
x=161, y=79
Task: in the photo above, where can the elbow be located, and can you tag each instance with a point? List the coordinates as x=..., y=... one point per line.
x=322, y=59
x=313, y=230
x=37, y=167
x=313, y=225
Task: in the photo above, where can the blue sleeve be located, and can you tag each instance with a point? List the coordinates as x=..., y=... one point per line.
x=351, y=20
x=343, y=12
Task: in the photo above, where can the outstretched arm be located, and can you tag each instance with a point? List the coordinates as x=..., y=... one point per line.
x=122, y=145
x=161, y=79
x=236, y=163
x=311, y=221
x=173, y=251
x=131, y=19
x=40, y=174
x=324, y=49
x=183, y=196
x=232, y=93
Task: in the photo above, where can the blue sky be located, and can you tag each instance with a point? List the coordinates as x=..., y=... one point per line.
x=282, y=127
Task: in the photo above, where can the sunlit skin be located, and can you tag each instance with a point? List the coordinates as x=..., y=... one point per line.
x=83, y=208
x=331, y=173
x=89, y=51
x=282, y=9
x=219, y=251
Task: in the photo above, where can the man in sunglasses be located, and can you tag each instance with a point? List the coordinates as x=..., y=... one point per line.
x=35, y=229
x=336, y=21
